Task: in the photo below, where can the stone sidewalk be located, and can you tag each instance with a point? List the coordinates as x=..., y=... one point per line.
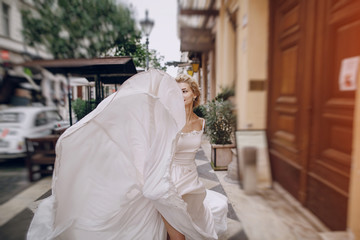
x=270, y=213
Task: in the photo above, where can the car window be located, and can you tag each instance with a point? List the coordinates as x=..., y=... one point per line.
x=53, y=116
x=12, y=117
x=40, y=119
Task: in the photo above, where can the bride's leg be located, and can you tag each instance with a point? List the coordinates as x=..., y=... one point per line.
x=173, y=233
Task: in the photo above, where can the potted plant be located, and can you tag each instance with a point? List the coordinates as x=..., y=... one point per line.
x=220, y=127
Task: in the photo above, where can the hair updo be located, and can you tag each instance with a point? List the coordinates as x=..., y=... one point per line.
x=183, y=78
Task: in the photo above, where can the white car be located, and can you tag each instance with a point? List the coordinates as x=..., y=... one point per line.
x=17, y=123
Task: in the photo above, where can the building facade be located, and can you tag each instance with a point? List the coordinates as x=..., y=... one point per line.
x=284, y=60
x=12, y=42
x=18, y=85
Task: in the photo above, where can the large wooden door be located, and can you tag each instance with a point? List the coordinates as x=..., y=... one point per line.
x=289, y=93
x=337, y=38
x=310, y=119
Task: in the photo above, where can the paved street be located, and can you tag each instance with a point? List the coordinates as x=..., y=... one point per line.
x=15, y=195
x=13, y=178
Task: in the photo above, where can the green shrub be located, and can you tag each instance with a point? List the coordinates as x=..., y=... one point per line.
x=225, y=93
x=220, y=121
x=82, y=108
x=200, y=111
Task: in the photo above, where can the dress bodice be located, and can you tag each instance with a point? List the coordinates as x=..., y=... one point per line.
x=187, y=146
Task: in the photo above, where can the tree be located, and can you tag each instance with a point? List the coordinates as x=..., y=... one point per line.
x=79, y=28
x=85, y=29
x=139, y=56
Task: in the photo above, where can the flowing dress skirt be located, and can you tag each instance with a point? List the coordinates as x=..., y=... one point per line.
x=112, y=171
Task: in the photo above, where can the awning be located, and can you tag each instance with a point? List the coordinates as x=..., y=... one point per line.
x=196, y=40
x=193, y=21
x=79, y=81
x=109, y=70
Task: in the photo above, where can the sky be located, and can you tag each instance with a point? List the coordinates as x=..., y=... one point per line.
x=163, y=37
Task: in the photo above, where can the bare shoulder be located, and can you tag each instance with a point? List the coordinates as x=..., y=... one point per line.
x=199, y=123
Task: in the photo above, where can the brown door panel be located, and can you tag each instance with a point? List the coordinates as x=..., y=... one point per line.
x=327, y=203
x=285, y=131
x=285, y=173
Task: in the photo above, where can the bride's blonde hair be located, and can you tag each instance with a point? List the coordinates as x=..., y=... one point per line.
x=183, y=78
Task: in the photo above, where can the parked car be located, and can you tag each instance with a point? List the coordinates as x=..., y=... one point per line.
x=17, y=123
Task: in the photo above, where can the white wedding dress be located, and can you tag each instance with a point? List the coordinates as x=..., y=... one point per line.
x=124, y=165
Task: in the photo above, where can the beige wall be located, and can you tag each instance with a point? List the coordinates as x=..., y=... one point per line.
x=211, y=76
x=241, y=56
x=354, y=194
x=241, y=91
x=229, y=75
x=220, y=52
x=252, y=63
x=225, y=49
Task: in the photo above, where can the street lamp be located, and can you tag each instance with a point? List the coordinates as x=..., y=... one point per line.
x=195, y=63
x=146, y=26
x=190, y=71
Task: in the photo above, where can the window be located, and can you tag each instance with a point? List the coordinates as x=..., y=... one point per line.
x=53, y=116
x=6, y=19
x=40, y=119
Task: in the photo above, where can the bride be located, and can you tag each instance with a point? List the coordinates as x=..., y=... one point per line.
x=127, y=170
